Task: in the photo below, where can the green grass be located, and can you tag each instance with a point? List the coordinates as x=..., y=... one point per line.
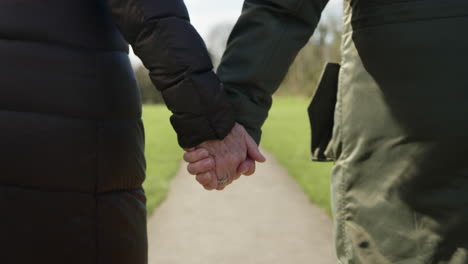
x=286, y=135
x=163, y=154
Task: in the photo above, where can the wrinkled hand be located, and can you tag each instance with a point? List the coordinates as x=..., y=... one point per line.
x=226, y=160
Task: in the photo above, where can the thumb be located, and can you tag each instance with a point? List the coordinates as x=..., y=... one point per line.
x=253, y=151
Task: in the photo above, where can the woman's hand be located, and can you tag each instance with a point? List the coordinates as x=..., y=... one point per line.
x=217, y=163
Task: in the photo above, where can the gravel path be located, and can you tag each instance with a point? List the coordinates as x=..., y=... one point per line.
x=261, y=219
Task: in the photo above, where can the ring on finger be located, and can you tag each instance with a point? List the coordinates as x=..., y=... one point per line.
x=222, y=181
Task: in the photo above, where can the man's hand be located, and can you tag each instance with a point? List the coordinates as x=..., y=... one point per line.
x=217, y=163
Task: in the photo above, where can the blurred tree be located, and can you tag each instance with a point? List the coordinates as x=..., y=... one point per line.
x=323, y=47
x=304, y=73
x=149, y=94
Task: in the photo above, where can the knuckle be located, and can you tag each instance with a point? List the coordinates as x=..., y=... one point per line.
x=186, y=156
x=232, y=158
x=191, y=157
x=191, y=169
x=204, y=153
x=202, y=179
x=209, y=163
x=199, y=178
x=251, y=170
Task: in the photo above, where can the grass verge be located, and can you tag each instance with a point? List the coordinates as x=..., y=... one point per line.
x=286, y=135
x=163, y=154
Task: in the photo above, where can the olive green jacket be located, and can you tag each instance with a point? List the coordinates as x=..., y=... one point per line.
x=400, y=134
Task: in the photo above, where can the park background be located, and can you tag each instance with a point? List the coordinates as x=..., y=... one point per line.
x=286, y=134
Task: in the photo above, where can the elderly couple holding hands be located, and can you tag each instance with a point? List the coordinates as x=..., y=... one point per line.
x=392, y=116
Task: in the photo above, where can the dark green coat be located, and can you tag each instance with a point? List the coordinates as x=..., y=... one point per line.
x=400, y=139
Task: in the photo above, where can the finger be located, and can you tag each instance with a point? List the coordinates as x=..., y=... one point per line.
x=208, y=187
x=189, y=149
x=222, y=186
x=253, y=151
x=196, y=155
x=214, y=181
x=247, y=167
x=202, y=166
x=212, y=184
x=232, y=178
x=236, y=177
x=204, y=178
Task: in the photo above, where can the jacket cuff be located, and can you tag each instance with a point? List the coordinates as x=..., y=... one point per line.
x=255, y=133
x=194, y=130
x=201, y=110
x=250, y=108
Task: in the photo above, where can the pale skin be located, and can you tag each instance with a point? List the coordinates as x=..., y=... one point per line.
x=228, y=159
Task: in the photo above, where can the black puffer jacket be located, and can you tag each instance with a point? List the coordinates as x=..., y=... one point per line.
x=71, y=137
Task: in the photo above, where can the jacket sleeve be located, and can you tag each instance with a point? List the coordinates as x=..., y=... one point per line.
x=262, y=46
x=161, y=35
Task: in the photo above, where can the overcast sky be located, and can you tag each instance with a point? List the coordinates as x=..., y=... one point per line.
x=205, y=14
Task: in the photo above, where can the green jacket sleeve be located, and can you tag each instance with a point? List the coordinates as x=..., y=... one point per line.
x=262, y=46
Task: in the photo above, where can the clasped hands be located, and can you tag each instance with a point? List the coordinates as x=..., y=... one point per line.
x=217, y=163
